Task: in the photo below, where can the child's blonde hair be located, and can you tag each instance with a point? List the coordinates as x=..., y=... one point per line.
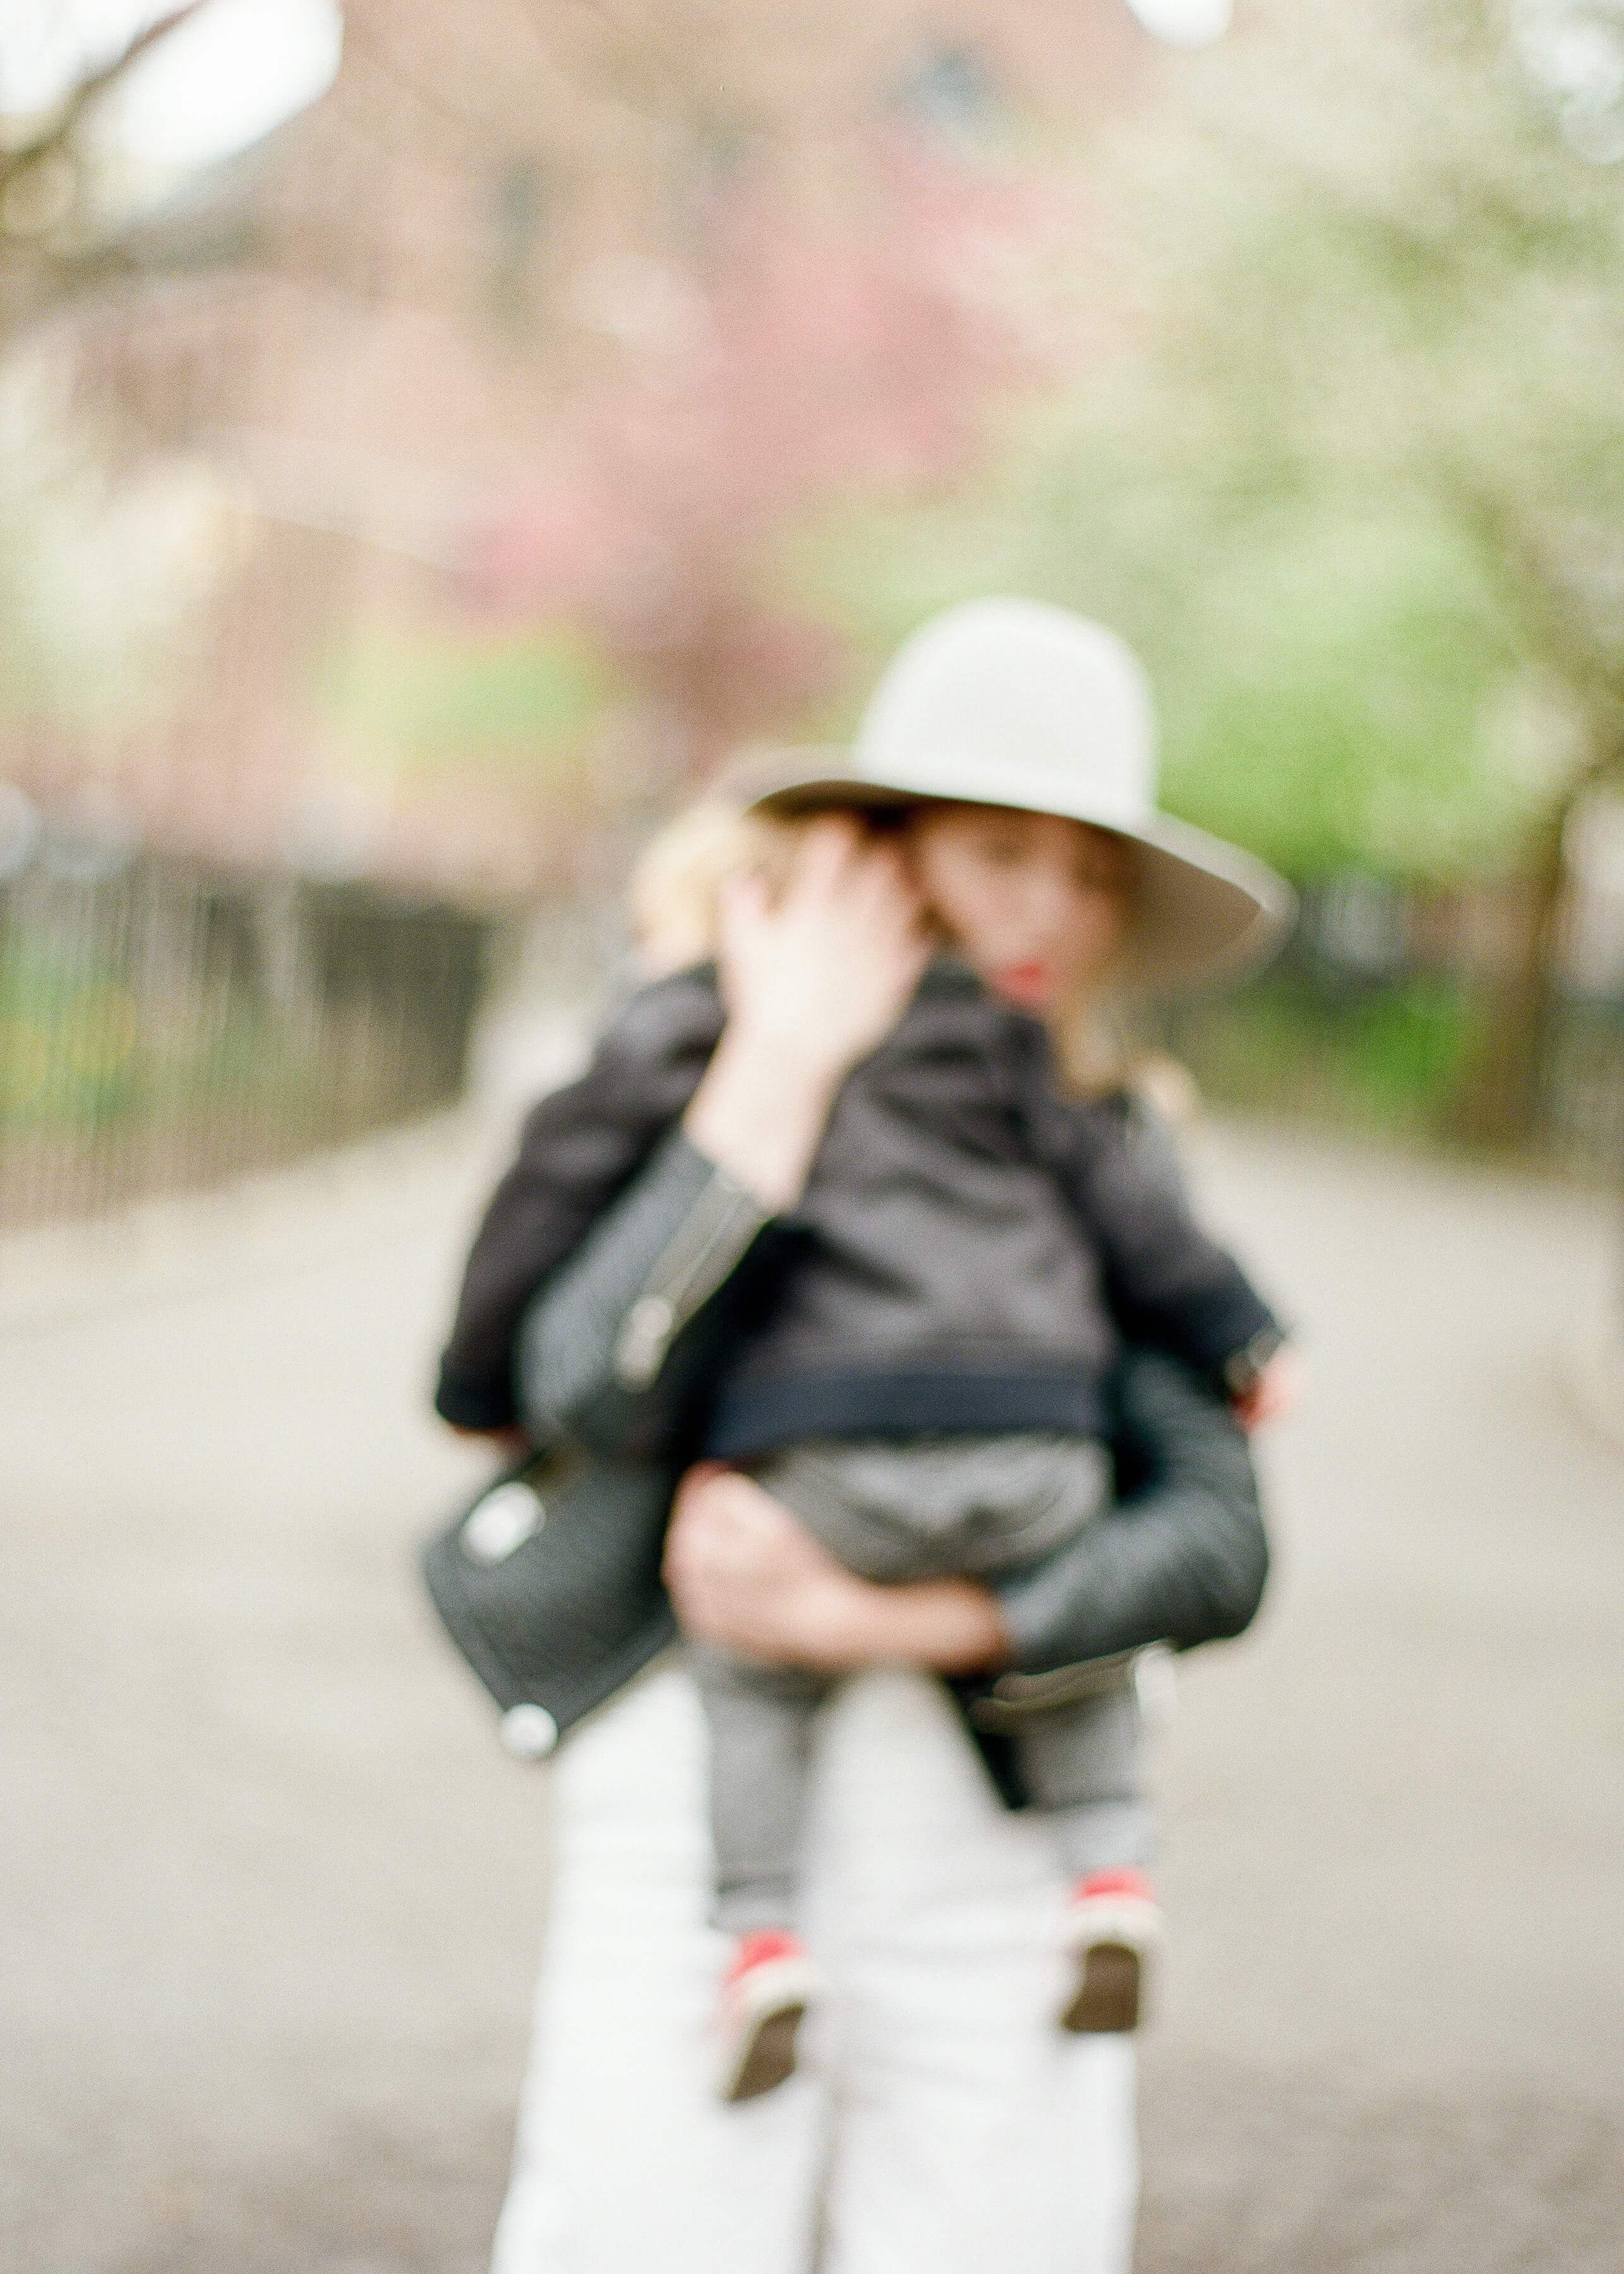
x=675, y=893
x=674, y=899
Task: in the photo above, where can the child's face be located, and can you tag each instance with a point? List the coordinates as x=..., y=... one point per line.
x=1034, y=903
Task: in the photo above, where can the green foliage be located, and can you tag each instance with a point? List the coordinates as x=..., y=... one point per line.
x=1385, y=1060
x=70, y=1044
x=1323, y=674
x=1351, y=480
x=1326, y=704
x=78, y=1055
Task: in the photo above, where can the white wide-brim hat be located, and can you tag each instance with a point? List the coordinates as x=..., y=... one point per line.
x=1013, y=702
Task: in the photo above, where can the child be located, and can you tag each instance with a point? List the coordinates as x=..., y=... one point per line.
x=923, y=1384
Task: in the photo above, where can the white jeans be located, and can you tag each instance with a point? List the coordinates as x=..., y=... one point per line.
x=941, y=2124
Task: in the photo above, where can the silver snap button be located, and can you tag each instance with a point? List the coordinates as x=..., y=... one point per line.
x=530, y=1731
x=502, y=1521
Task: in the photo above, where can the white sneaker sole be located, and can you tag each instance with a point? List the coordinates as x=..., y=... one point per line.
x=1110, y=1942
x=1109, y=1992
x=762, y=2027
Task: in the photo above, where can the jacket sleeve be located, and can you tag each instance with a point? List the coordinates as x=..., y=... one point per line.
x=1183, y=1558
x=578, y=1149
x=1169, y=1284
x=616, y=1350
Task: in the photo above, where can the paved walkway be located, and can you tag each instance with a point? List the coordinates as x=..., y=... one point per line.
x=273, y=1897
x=1394, y=2028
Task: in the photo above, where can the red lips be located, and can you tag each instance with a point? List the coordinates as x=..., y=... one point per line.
x=1029, y=984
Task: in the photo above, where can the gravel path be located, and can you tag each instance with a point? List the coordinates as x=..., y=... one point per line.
x=273, y=1897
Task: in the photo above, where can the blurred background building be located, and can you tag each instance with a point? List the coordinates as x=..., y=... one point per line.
x=430, y=440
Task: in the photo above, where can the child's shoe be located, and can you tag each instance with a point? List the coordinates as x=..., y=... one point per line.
x=765, y=1992
x=1112, y=1924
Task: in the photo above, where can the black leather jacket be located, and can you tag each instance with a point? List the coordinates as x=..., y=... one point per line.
x=614, y=1356
x=970, y=1244
x=1182, y=1558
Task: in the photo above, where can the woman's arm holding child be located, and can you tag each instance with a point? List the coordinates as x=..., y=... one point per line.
x=1183, y=1560
x=745, y=1575
x=578, y=1148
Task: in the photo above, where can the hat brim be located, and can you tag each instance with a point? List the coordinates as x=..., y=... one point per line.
x=1202, y=909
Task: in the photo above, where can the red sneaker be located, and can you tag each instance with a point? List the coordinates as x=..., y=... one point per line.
x=1112, y=1924
x=765, y=1992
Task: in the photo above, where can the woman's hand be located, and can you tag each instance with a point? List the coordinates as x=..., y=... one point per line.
x=826, y=970
x=745, y=1577
x=813, y=981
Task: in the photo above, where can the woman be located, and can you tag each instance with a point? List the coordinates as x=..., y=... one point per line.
x=964, y=2133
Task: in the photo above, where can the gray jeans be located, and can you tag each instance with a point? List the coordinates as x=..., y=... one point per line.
x=931, y=1508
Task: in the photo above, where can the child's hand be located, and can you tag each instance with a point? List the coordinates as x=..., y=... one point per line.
x=1274, y=1393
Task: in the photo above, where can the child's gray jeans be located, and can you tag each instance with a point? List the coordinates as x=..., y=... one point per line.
x=925, y=1509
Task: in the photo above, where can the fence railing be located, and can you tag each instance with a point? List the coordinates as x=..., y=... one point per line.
x=163, y=1025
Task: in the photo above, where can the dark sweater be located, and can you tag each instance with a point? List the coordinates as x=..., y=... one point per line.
x=970, y=1246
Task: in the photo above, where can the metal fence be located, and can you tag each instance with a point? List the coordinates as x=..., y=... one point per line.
x=1584, y=1084
x=163, y=1025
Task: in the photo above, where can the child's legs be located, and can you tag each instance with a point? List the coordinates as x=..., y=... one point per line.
x=1081, y=1764
x=760, y=1722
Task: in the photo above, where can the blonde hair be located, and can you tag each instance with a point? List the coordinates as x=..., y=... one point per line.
x=674, y=895
x=673, y=900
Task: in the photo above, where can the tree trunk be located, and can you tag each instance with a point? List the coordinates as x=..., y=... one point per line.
x=1501, y=1098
